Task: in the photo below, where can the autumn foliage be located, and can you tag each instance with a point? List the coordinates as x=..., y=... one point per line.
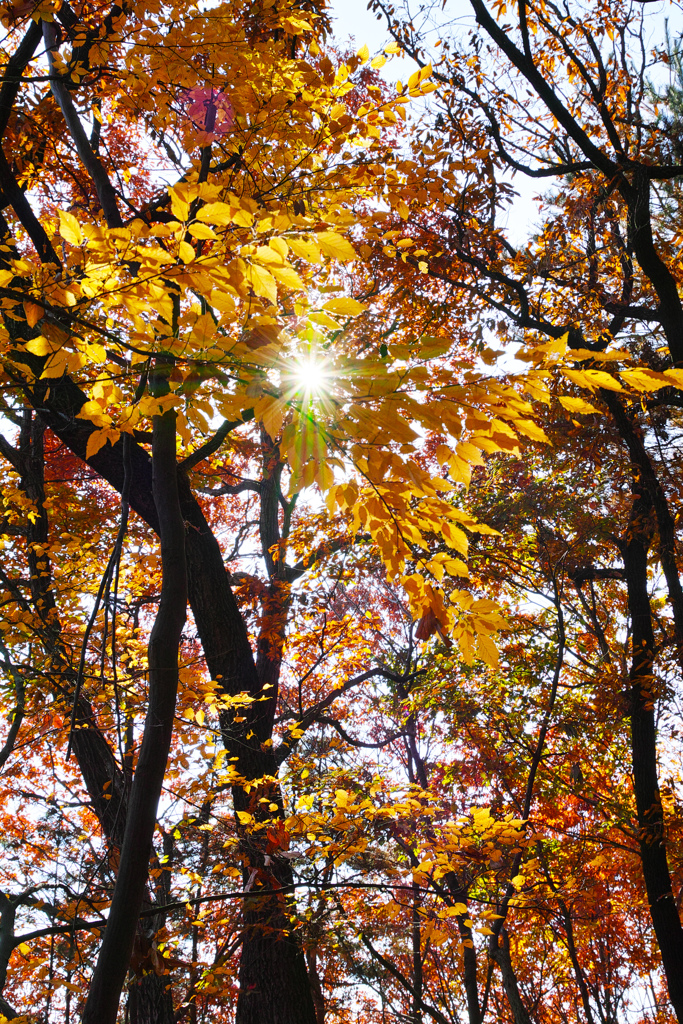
x=341, y=619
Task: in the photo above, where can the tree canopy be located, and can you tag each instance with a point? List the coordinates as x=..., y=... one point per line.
x=342, y=623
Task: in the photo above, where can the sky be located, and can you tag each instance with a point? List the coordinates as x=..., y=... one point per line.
x=352, y=20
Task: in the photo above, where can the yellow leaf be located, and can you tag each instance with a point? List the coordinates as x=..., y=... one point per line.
x=179, y=208
x=593, y=379
x=280, y=246
x=186, y=252
x=69, y=228
x=644, y=380
x=675, y=377
x=324, y=320
x=222, y=301
x=345, y=306
x=40, y=346
x=55, y=366
x=460, y=470
x=363, y=53
x=33, y=313
x=532, y=430
x=576, y=405
x=92, y=411
x=216, y=213
x=335, y=245
x=262, y=282
x=288, y=277
x=469, y=452
x=305, y=249
x=96, y=353
x=271, y=412
x=201, y=231
x=97, y=440
x=269, y=255
x=487, y=651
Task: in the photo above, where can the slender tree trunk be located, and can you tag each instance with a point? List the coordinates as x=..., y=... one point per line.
x=316, y=987
x=500, y=953
x=417, y=957
x=115, y=953
x=274, y=983
x=667, y=924
x=101, y=772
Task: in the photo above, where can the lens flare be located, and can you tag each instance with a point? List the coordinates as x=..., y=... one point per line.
x=310, y=375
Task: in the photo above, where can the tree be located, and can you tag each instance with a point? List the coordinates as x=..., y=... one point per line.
x=332, y=783
x=171, y=312
x=598, y=283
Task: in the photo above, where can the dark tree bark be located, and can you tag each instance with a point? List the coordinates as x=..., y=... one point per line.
x=642, y=697
x=500, y=953
x=316, y=987
x=115, y=953
x=101, y=772
x=271, y=950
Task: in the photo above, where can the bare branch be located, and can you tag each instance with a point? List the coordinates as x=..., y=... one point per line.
x=214, y=443
x=91, y=162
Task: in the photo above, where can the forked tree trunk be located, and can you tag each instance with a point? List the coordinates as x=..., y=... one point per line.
x=230, y=660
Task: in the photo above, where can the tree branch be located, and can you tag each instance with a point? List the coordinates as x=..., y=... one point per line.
x=92, y=163
x=214, y=443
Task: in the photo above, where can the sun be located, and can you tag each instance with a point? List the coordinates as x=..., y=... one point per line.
x=310, y=375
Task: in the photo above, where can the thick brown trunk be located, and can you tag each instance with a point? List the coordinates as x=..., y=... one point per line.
x=274, y=984
x=150, y=1000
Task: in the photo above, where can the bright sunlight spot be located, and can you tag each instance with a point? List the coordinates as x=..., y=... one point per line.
x=310, y=375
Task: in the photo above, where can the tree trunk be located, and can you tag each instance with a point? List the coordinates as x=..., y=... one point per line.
x=500, y=953
x=150, y=1000
x=115, y=953
x=642, y=697
x=316, y=987
x=274, y=983
x=229, y=659
x=99, y=768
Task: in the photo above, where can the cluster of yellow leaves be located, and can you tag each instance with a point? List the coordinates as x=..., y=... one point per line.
x=228, y=285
